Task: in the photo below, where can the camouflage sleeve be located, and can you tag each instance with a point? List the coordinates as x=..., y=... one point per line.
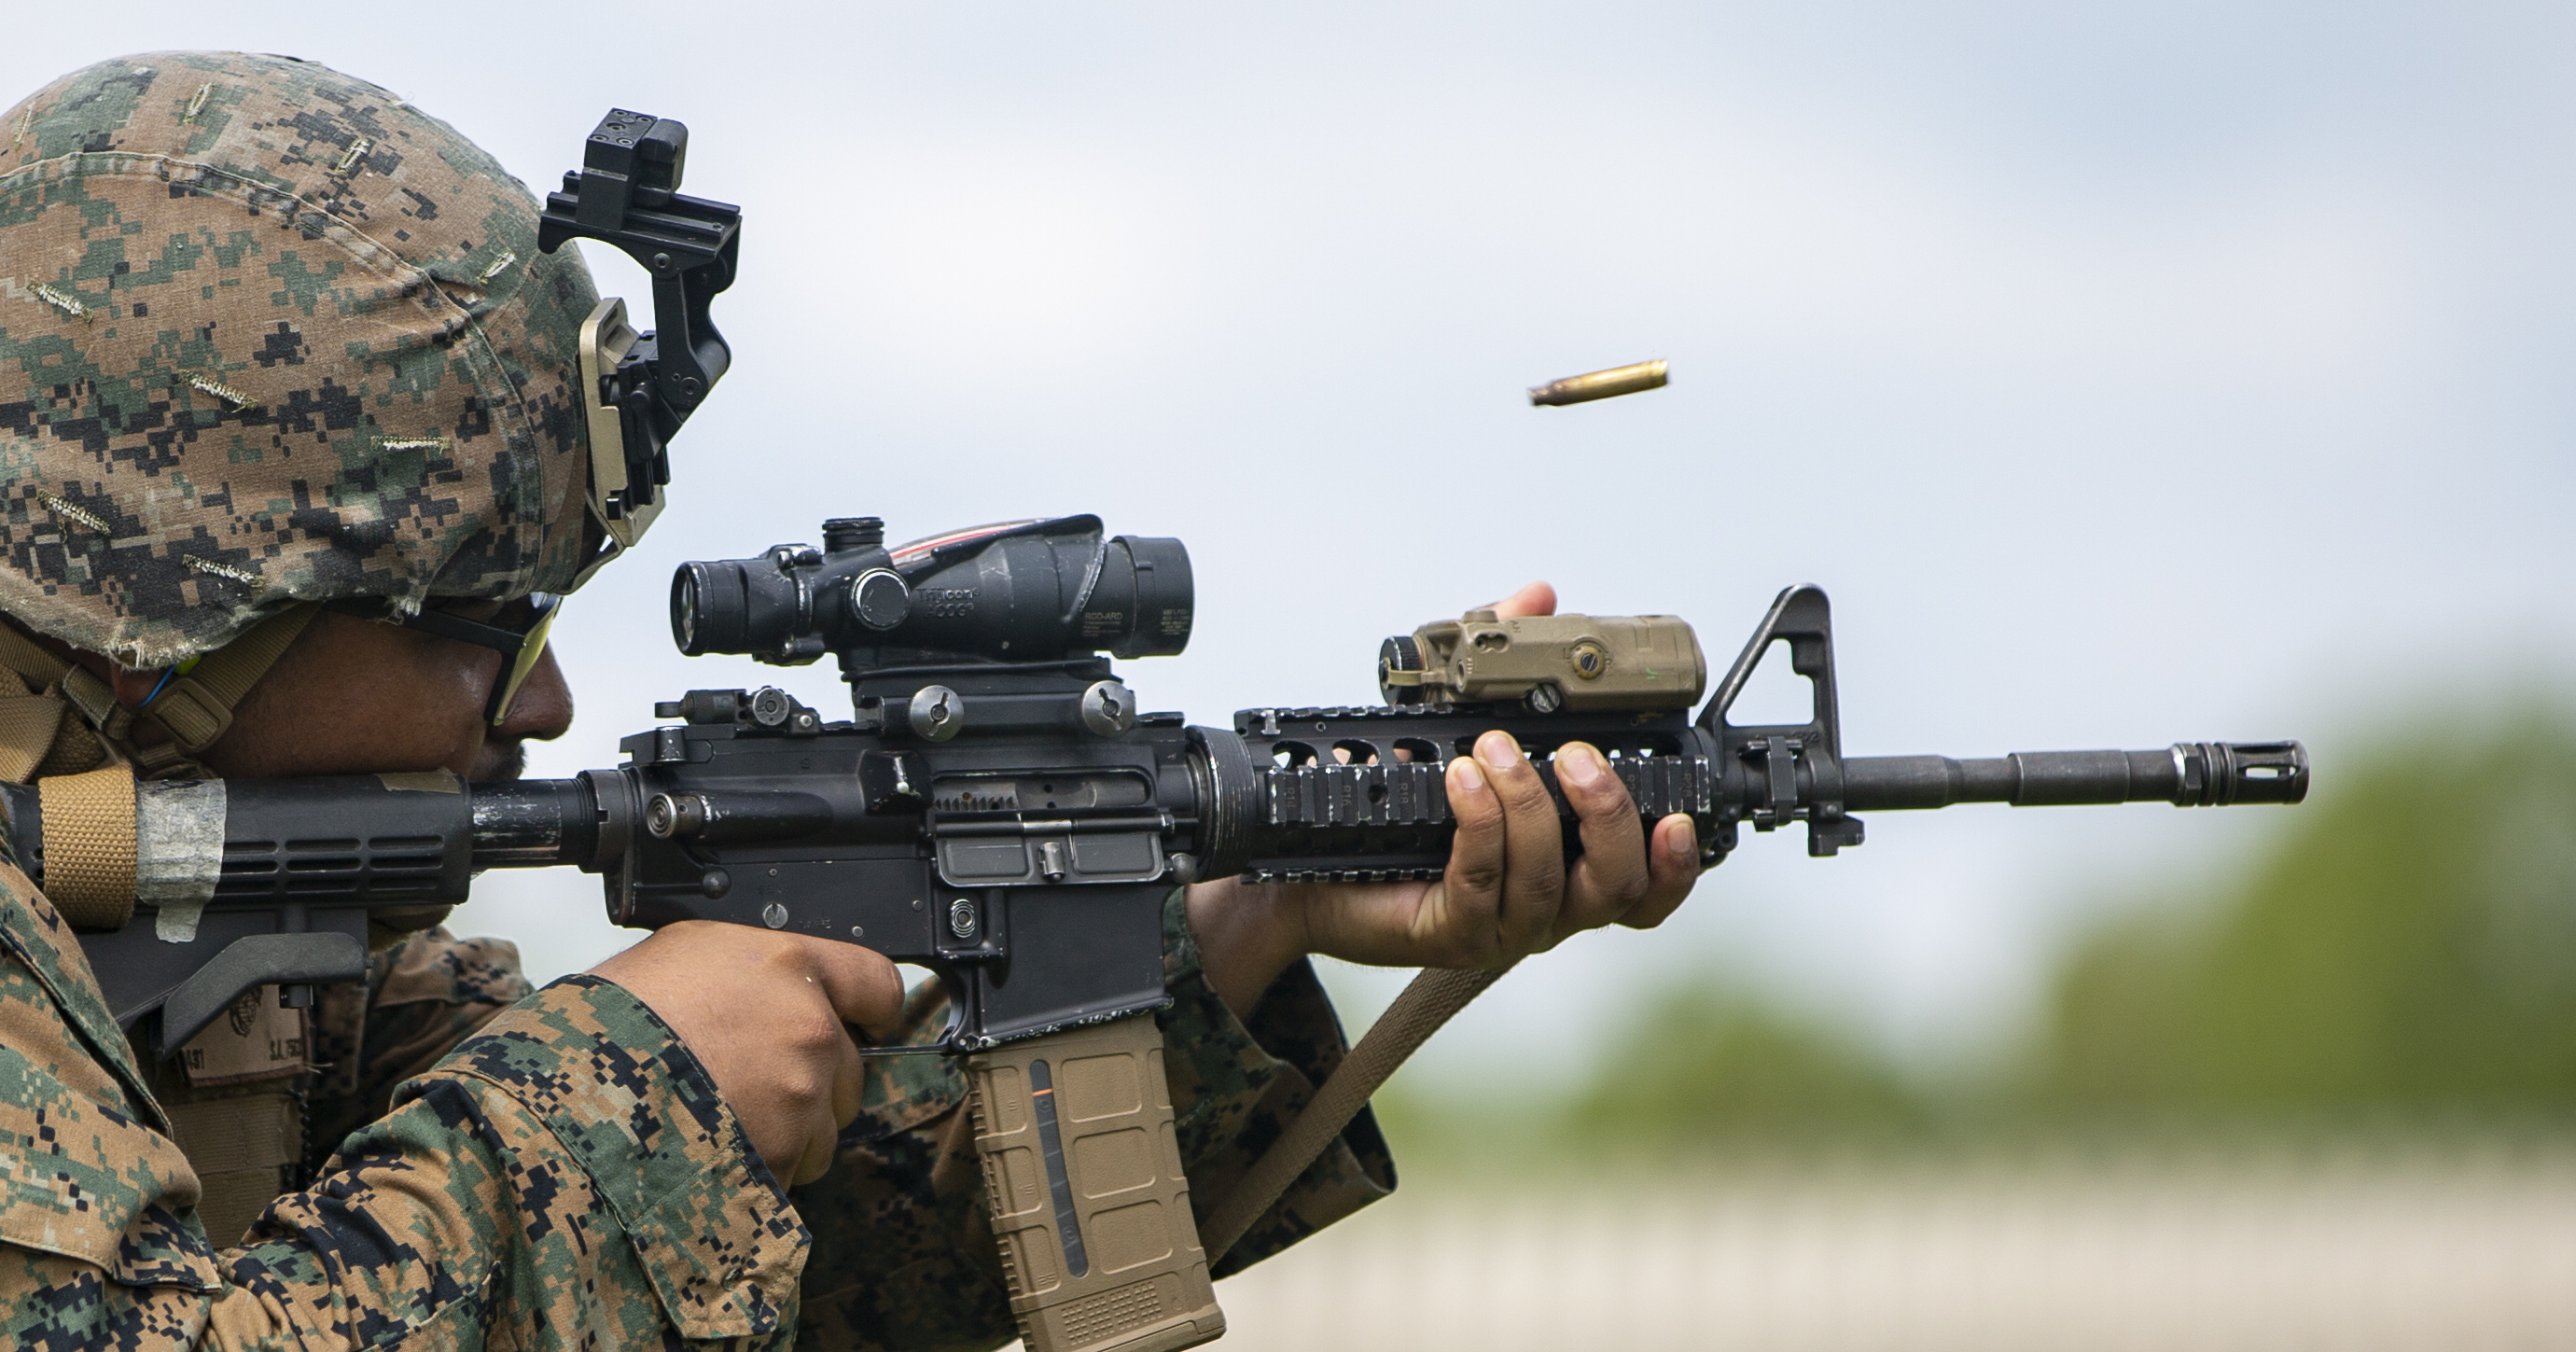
x=903, y=1257
x=421, y=998
x=571, y=1167
x=570, y=1174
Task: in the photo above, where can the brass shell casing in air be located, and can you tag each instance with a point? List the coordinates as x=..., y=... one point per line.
x=1618, y=380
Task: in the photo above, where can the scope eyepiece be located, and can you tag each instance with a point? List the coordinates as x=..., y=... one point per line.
x=1022, y=591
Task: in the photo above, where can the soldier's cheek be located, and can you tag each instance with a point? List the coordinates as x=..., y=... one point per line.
x=416, y=706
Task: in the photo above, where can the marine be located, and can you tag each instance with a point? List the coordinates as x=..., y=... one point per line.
x=293, y=478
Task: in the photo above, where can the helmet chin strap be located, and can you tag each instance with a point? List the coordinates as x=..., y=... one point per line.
x=195, y=707
x=193, y=710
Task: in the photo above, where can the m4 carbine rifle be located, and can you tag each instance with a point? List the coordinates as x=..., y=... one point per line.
x=996, y=810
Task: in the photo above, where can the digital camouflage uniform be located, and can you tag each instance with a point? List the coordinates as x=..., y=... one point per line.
x=566, y=1177
x=270, y=335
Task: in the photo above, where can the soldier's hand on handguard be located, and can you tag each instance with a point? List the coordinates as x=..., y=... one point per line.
x=766, y=1014
x=1507, y=891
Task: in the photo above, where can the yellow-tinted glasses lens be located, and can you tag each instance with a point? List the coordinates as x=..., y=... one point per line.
x=515, y=668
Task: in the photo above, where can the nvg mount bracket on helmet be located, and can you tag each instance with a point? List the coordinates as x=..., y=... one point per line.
x=643, y=386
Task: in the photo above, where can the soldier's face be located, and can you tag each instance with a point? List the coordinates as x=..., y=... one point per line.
x=353, y=696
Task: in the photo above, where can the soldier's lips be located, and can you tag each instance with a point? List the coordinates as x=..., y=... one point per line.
x=499, y=762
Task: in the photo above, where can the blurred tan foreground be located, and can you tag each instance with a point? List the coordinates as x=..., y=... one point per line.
x=2419, y=1253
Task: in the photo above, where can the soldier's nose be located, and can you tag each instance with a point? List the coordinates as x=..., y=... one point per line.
x=543, y=710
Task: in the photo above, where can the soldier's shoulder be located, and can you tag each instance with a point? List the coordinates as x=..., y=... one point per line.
x=112, y=1191
x=59, y=987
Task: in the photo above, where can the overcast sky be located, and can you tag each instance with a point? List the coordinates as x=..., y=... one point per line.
x=2126, y=372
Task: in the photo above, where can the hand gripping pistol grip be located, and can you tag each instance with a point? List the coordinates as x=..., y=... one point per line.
x=1082, y=1174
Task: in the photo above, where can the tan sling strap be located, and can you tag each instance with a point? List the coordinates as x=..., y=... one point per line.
x=1428, y=1002
x=89, y=815
x=89, y=846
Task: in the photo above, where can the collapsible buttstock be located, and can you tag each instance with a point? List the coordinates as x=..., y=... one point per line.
x=1082, y=1178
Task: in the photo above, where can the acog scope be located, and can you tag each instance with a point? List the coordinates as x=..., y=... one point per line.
x=1017, y=591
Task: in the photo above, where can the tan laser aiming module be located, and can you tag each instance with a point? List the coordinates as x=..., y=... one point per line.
x=1584, y=663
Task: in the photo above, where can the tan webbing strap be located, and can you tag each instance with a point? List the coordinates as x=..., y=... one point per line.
x=31, y=718
x=29, y=725
x=42, y=730
x=197, y=708
x=77, y=747
x=89, y=846
x=21, y=655
x=95, y=698
x=1427, y=1003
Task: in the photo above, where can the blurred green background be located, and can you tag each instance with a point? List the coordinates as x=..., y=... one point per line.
x=2400, y=957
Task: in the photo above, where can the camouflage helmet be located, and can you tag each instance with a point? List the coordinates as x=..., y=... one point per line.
x=269, y=334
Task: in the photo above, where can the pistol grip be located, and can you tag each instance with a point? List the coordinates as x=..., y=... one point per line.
x=1082, y=1177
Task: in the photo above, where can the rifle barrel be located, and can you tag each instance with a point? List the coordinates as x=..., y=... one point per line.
x=2186, y=774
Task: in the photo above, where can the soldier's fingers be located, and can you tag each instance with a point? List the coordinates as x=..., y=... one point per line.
x=819, y=1139
x=1533, y=845
x=1611, y=877
x=861, y=984
x=833, y=1068
x=849, y=1076
x=1457, y=922
x=1538, y=598
x=866, y=995
x=1672, y=856
x=767, y=1016
x=845, y=985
